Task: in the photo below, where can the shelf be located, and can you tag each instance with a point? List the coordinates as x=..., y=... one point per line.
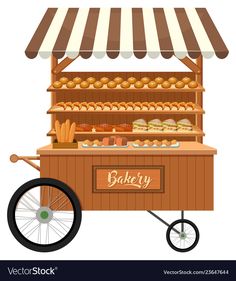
x=145, y=89
x=195, y=111
x=194, y=133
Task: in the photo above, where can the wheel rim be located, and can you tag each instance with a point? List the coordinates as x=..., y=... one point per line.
x=182, y=235
x=44, y=215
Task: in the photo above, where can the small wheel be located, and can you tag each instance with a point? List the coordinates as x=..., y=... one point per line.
x=44, y=215
x=182, y=235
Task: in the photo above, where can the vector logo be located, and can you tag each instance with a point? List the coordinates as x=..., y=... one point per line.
x=32, y=271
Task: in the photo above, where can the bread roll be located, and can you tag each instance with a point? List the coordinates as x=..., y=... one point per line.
x=104, y=80
x=125, y=84
x=111, y=84
x=159, y=80
x=64, y=80
x=145, y=80
x=70, y=84
x=77, y=80
x=138, y=84
x=91, y=80
x=57, y=84
x=152, y=84
x=173, y=80
x=166, y=85
x=118, y=80
x=186, y=80
x=84, y=84
x=98, y=85
x=192, y=84
x=131, y=80
x=179, y=85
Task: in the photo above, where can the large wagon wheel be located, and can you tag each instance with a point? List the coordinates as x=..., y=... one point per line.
x=44, y=214
x=182, y=235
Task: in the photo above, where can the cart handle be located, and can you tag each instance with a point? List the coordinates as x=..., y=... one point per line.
x=14, y=158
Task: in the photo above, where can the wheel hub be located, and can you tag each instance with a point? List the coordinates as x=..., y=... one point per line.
x=44, y=215
x=182, y=235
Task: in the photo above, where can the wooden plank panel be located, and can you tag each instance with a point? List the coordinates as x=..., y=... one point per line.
x=191, y=183
x=174, y=183
x=44, y=172
x=80, y=178
x=122, y=160
x=157, y=197
x=165, y=197
x=200, y=182
x=183, y=183
x=131, y=196
x=105, y=196
x=139, y=197
x=209, y=183
x=148, y=197
x=96, y=197
x=88, y=202
x=114, y=196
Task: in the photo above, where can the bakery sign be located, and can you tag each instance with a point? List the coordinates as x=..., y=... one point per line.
x=128, y=179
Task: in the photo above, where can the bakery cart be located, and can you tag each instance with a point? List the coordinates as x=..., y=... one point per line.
x=119, y=140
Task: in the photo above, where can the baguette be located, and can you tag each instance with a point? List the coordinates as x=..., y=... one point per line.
x=58, y=130
x=63, y=132
x=67, y=130
x=71, y=132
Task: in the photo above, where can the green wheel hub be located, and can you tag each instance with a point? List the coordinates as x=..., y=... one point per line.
x=182, y=235
x=44, y=214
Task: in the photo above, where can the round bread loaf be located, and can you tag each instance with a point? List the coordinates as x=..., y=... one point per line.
x=70, y=84
x=57, y=84
x=84, y=84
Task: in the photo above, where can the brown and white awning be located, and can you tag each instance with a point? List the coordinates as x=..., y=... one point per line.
x=126, y=31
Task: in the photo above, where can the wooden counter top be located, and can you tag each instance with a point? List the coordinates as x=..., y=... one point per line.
x=185, y=148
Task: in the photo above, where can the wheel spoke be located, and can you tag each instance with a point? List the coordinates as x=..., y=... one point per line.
x=39, y=234
x=47, y=234
x=27, y=224
x=26, y=204
x=63, y=204
x=25, y=210
x=30, y=232
x=57, y=231
x=32, y=198
x=23, y=218
x=62, y=225
x=59, y=197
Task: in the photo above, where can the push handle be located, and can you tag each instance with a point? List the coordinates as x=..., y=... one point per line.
x=14, y=158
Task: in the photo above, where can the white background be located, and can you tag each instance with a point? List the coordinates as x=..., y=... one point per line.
x=24, y=124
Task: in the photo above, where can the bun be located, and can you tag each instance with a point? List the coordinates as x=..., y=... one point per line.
x=166, y=85
x=77, y=80
x=131, y=80
x=64, y=80
x=118, y=80
x=91, y=80
x=145, y=80
x=57, y=84
x=70, y=84
x=125, y=84
x=104, y=80
x=159, y=80
x=138, y=84
x=186, y=80
x=173, y=80
x=179, y=84
x=193, y=84
x=152, y=84
x=111, y=84
x=98, y=85
x=84, y=84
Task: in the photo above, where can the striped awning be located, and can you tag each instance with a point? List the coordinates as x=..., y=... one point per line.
x=126, y=31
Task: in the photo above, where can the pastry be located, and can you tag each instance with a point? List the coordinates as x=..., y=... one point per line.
x=105, y=127
x=172, y=80
x=138, y=84
x=174, y=106
x=121, y=141
x=71, y=132
x=100, y=106
x=70, y=84
x=108, y=141
x=148, y=143
x=59, y=106
x=167, y=106
x=115, y=106
x=130, y=105
x=157, y=143
x=186, y=80
x=145, y=80
x=84, y=84
x=184, y=125
x=64, y=80
x=138, y=106
x=123, y=128
x=166, y=143
x=160, y=105
x=125, y=84
x=69, y=106
x=169, y=125
x=145, y=106
x=77, y=106
x=192, y=84
x=92, y=106
x=118, y=80
x=107, y=106
x=182, y=106
x=104, y=80
x=140, y=125
x=77, y=80
x=91, y=80
x=152, y=106
x=173, y=142
x=84, y=128
x=155, y=125
x=152, y=84
x=190, y=106
x=84, y=106
x=98, y=85
x=123, y=106
x=131, y=80
x=166, y=85
x=57, y=84
x=159, y=80
x=179, y=85
x=111, y=84
x=88, y=142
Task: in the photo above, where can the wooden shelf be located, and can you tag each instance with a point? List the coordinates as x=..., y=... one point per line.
x=194, y=133
x=145, y=89
x=196, y=111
